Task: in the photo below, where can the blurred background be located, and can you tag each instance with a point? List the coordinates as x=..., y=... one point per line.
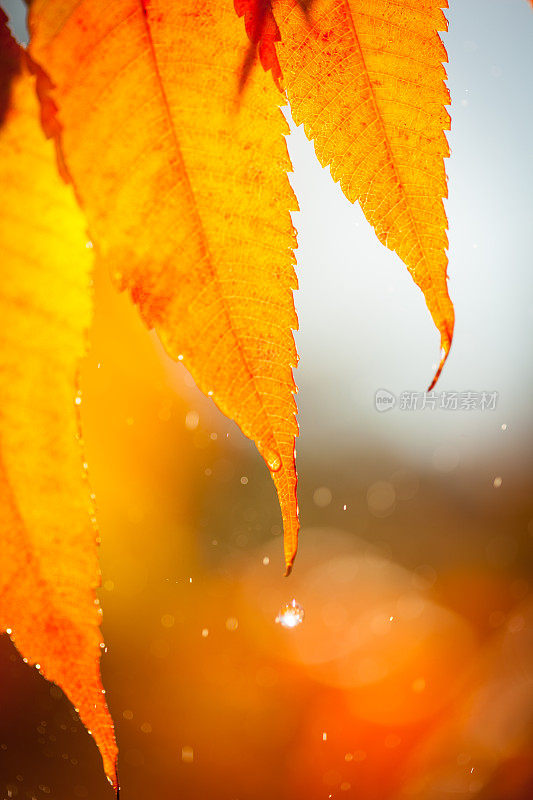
x=412, y=674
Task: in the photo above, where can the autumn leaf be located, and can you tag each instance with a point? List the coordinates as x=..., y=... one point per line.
x=263, y=33
x=366, y=79
x=185, y=190
x=49, y=554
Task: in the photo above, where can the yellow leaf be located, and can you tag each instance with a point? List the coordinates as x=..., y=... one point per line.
x=366, y=79
x=49, y=554
x=186, y=194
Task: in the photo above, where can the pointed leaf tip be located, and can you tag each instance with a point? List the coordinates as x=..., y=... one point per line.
x=367, y=80
x=214, y=196
x=49, y=561
x=445, y=324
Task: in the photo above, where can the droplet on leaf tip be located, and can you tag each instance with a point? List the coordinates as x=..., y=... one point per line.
x=273, y=460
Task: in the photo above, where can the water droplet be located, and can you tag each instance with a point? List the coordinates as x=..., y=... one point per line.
x=180, y=357
x=324, y=736
x=266, y=561
x=273, y=460
x=290, y=614
x=187, y=754
x=205, y=632
x=244, y=480
x=322, y=497
x=192, y=418
x=497, y=482
x=504, y=427
x=89, y=245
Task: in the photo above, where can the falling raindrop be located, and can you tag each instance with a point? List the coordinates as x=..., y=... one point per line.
x=322, y=497
x=290, y=614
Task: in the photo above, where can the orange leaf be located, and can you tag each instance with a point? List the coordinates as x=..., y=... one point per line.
x=186, y=193
x=263, y=32
x=366, y=78
x=49, y=559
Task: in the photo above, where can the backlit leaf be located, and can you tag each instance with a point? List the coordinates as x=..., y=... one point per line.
x=366, y=78
x=185, y=189
x=263, y=33
x=48, y=541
